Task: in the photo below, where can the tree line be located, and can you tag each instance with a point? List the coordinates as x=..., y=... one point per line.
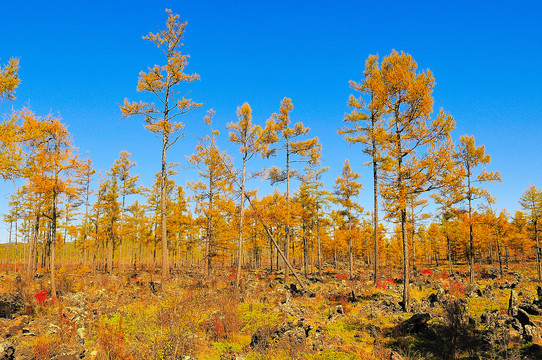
x=413, y=157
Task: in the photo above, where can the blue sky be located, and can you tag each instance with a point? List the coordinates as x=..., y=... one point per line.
x=79, y=60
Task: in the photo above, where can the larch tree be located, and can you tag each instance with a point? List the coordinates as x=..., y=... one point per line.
x=214, y=166
x=531, y=203
x=520, y=242
x=366, y=127
x=415, y=146
x=281, y=136
x=470, y=157
x=163, y=81
x=128, y=186
x=250, y=139
x=9, y=79
x=320, y=198
x=85, y=173
x=50, y=170
x=348, y=187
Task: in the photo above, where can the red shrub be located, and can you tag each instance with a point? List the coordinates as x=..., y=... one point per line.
x=342, y=276
x=41, y=297
x=427, y=272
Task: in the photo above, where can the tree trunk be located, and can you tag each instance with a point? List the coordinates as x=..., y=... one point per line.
x=163, y=201
x=8, y=263
x=241, y=218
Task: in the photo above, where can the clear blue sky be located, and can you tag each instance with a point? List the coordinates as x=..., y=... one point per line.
x=80, y=60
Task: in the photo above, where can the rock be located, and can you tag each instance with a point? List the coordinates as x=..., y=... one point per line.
x=52, y=329
x=317, y=339
x=395, y=356
x=436, y=298
x=81, y=334
x=539, y=295
x=67, y=357
x=513, y=303
x=336, y=313
x=26, y=332
x=10, y=305
x=291, y=334
x=417, y=323
x=488, y=317
x=531, y=333
x=531, y=309
x=473, y=291
x=17, y=326
x=263, y=336
x=373, y=330
x=8, y=353
x=523, y=318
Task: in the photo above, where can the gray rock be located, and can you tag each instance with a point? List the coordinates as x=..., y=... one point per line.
x=523, y=318
x=415, y=324
x=513, y=303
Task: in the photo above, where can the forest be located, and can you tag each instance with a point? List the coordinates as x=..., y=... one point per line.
x=215, y=268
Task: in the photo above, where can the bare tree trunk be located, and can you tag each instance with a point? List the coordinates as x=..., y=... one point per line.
x=8, y=263
x=241, y=218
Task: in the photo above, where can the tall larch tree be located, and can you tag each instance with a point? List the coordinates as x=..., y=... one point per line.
x=213, y=166
x=416, y=145
x=51, y=170
x=320, y=198
x=366, y=127
x=250, y=139
x=281, y=136
x=163, y=81
x=470, y=157
x=531, y=203
x=127, y=186
x=348, y=187
x=85, y=173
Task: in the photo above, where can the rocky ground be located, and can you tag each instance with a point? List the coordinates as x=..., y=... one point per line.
x=136, y=317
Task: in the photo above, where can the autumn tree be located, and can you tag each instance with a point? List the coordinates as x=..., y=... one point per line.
x=283, y=137
x=520, y=242
x=318, y=199
x=9, y=79
x=214, y=166
x=163, y=81
x=127, y=186
x=470, y=158
x=85, y=173
x=366, y=127
x=50, y=170
x=415, y=146
x=531, y=203
x=250, y=140
x=348, y=187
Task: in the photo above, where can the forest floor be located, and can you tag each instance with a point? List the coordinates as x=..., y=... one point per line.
x=134, y=316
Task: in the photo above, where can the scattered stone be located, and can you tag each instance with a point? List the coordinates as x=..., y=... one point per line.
x=336, y=313
x=10, y=305
x=288, y=333
x=539, y=295
x=523, y=318
x=17, y=326
x=436, y=298
x=531, y=309
x=373, y=330
x=513, y=303
x=52, y=329
x=473, y=291
x=8, y=353
x=417, y=323
x=531, y=333
x=81, y=334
